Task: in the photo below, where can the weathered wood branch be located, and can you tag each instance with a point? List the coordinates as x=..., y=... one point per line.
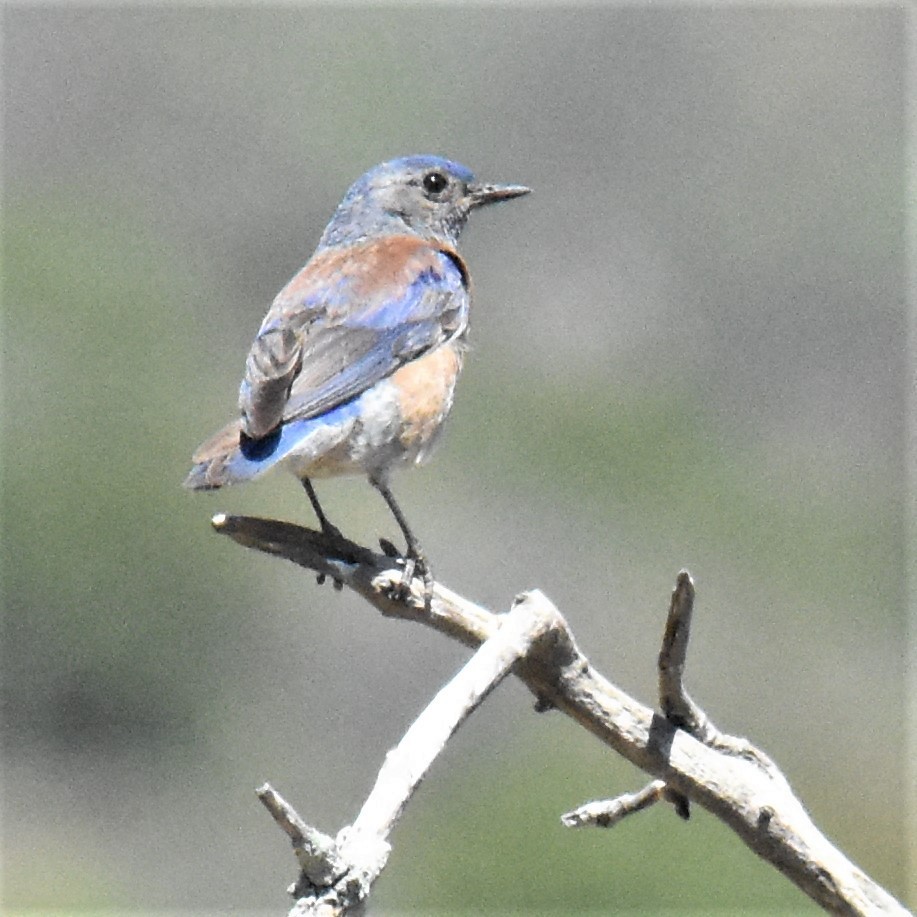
x=727, y=776
x=606, y=813
x=336, y=874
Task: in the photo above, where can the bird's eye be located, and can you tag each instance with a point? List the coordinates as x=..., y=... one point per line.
x=434, y=183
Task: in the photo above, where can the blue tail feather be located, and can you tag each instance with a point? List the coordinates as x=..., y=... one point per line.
x=252, y=457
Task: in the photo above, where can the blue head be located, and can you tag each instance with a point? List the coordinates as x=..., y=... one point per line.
x=424, y=195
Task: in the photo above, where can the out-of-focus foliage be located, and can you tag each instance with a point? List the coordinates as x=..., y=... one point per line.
x=688, y=349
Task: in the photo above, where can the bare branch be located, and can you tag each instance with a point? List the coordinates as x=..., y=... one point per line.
x=371, y=575
x=729, y=777
x=337, y=874
x=675, y=702
x=606, y=813
x=404, y=766
x=317, y=853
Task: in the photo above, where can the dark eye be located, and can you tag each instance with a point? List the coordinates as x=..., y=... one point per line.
x=434, y=183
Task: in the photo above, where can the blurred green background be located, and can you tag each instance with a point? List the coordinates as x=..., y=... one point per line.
x=689, y=348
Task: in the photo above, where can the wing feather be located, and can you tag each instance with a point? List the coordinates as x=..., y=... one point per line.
x=349, y=319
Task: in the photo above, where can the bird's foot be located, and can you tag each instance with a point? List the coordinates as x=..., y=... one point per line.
x=413, y=563
x=333, y=534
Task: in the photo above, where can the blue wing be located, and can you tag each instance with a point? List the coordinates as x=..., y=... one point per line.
x=350, y=318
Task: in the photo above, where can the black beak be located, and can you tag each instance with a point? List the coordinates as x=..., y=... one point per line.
x=479, y=195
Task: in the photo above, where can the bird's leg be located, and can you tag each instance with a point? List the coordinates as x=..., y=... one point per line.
x=415, y=561
x=328, y=530
x=332, y=531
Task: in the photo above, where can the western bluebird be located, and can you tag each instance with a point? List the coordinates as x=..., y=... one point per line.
x=354, y=366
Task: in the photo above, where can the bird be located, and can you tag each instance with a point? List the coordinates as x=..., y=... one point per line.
x=354, y=367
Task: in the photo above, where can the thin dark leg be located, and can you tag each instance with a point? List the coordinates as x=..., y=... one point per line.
x=328, y=530
x=414, y=550
x=415, y=556
x=327, y=527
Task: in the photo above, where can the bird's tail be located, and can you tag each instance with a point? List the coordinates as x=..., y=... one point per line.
x=229, y=457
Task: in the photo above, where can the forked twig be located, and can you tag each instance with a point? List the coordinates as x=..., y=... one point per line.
x=727, y=776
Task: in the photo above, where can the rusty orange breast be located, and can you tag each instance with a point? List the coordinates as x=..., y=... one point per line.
x=424, y=390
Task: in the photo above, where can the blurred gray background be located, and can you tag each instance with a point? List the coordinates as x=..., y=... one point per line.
x=688, y=349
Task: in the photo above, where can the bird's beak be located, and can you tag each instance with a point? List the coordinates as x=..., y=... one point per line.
x=479, y=195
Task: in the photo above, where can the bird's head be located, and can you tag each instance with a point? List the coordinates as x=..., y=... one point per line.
x=425, y=195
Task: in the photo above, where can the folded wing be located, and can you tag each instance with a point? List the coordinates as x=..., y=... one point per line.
x=349, y=319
